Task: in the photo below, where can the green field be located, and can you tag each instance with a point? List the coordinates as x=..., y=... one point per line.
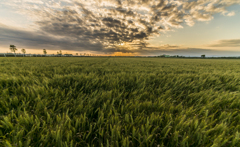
x=119, y=102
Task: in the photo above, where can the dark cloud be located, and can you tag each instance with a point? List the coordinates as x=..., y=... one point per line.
x=227, y=43
x=36, y=40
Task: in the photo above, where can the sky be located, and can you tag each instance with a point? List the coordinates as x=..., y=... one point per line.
x=122, y=27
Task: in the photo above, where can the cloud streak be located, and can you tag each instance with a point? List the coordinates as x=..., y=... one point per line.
x=36, y=40
x=227, y=43
x=111, y=25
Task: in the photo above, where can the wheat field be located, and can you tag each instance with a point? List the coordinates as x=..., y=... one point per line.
x=119, y=102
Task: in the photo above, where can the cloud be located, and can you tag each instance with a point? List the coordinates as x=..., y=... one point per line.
x=229, y=13
x=108, y=23
x=181, y=52
x=186, y=52
x=36, y=40
x=226, y=43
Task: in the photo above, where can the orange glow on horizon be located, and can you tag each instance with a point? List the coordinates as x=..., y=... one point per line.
x=122, y=54
x=39, y=51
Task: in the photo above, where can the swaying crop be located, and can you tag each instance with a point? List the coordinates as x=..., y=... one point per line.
x=119, y=102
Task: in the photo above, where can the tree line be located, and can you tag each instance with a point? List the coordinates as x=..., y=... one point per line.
x=13, y=49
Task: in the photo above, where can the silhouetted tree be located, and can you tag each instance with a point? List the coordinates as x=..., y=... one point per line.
x=76, y=54
x=59, y=53
x=23, y=51
x=203, y=56
x=44, y=51
x=13, y=49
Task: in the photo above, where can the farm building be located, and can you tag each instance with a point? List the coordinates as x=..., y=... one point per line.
x=164, y=55
x=68, y=55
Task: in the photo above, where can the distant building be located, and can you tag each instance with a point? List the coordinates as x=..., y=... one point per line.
x=167, y=56
x=68, y=55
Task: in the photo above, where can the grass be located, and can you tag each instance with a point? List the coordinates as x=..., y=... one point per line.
x=119, y=102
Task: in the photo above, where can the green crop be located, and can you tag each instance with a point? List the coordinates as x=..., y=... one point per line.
x=119, y=102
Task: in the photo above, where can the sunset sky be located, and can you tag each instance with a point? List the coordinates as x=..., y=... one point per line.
x=122, y=27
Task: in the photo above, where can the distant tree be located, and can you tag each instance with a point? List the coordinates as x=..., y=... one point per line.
x=44, y=51
x=59, y=53
x=76, y=54
x=203, y=56
x=13, y=49
x=23, y=51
